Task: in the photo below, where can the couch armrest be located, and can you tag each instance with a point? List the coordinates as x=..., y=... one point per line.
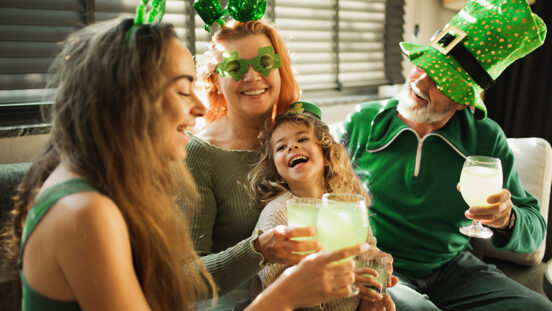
x=10, y=286
x=10, y=176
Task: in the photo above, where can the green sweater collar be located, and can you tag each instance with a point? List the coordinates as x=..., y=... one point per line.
x=387, y=126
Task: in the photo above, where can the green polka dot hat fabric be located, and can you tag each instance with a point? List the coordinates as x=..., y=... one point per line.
x=498, y=33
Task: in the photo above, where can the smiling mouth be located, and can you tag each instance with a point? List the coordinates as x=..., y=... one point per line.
x=254, y=92
x=297, y=160
x=181, y=129
x=419, y=93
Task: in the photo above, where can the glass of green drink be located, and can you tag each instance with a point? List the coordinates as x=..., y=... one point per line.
x=342, y=222
x=303, y=212
x=481, y=177
x=379, y=261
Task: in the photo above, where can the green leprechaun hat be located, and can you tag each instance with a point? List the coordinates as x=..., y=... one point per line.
x=477, y=44
x=303, y=107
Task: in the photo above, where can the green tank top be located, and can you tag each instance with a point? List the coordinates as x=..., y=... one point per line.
x=33, y=300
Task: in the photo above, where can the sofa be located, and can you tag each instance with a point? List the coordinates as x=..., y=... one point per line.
x=533, y=160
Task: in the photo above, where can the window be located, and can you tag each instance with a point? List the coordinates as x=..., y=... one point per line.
x=339, y=47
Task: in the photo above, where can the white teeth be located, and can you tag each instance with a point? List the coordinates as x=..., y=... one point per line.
x=253, y=93
x=181, y=129
x=418, y=92
x=290, y=163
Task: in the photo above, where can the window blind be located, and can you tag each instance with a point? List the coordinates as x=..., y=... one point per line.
x=342, y=45
x=393, y=34
x=336, y=45
x=30, y=31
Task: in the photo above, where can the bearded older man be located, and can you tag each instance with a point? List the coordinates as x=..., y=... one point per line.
x=409, y=151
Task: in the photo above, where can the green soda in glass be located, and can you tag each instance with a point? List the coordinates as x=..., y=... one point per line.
x=303, y=212
x=342, y=221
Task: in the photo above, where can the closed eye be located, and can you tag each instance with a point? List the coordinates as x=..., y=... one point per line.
x=303, y=139
x=183, y=94
x=280, y=147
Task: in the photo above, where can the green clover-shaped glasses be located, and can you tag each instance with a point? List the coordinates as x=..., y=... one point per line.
x=237, y=67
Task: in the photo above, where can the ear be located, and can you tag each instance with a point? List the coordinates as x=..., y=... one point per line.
x=462, y=107
x=216, y=81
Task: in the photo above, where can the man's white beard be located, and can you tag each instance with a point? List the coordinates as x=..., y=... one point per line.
x=410, y=110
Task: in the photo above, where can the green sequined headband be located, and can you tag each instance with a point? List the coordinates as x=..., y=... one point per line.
x=211, y=11
x=155, y=14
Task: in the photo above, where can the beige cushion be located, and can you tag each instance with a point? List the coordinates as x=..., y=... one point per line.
x=533, y=160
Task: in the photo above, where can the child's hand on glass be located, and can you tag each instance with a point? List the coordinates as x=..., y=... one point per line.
x=276, y=245
x=373, y=275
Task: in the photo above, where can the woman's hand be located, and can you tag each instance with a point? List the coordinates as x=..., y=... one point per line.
x=276, y=247
x=316, y=279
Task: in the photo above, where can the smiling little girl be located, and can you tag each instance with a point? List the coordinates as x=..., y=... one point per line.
x=299, y=158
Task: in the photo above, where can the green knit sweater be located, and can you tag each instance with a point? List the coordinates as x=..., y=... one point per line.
x=221, y=225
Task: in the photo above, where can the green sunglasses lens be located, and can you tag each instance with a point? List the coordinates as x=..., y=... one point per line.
x=232, y=66
x=267, y=61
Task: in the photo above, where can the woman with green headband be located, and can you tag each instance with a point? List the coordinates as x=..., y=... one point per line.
x=100, y=222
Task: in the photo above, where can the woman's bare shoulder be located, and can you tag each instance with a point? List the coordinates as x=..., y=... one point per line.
x=89, y=211
x=82, y=237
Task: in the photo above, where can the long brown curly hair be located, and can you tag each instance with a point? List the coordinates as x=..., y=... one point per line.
x=265, y=183
x=207, y=63
x=109, y=126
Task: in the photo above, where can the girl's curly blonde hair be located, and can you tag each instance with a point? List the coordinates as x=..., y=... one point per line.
x=264, y=182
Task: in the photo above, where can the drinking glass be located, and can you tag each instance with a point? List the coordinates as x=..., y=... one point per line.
x=303, y=212
x=379, y=261
x=342, y=222
x=481, y=177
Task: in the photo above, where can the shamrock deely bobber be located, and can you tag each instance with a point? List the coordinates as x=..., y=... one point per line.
x=247, y=10
x=211, y=11
x=155, y=14
x=157, y=11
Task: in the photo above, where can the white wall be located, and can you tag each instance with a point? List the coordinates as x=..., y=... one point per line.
x=430, y=16
x=21, y=149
